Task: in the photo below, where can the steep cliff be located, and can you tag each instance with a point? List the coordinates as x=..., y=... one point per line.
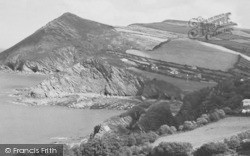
x=89, y=76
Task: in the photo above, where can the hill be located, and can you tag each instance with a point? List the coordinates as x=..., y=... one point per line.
x=239, y=40
x=63, y=42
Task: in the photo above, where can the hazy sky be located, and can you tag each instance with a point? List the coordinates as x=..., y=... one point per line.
x=20, y=18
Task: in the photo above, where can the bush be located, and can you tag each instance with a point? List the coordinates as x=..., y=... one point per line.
x=152, y=136
x=125, y=151
x=221, y=113
x=142, y=138
x=173, y=129
x=180, y=128
x=165, y=129
x=245, y=145
x=135, y=150
x=206, y=116
x=172, y=149
x=227, y=110
x=233, y=142
x=157, y=115
x=131, y=141
x=201, y=121
x=211, y=149
x=146, y=149
x=244, y=135
x=189, y=125
x=214, y=116
x=95, y=147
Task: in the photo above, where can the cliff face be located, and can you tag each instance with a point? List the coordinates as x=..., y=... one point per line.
x=89, y=76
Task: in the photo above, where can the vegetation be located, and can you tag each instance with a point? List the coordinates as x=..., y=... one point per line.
x=157, y=115
x=212, y=149
x=172, y=149
x=228, y=93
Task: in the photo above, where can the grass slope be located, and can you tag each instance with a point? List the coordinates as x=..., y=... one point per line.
x=190, y=52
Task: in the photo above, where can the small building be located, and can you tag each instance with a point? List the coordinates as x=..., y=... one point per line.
x=246, y=103
x=246, y=106
x=174, y=71
x=194, y=67
x=153, y=67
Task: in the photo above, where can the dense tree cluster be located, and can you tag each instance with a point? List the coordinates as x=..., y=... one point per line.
x=228, y=93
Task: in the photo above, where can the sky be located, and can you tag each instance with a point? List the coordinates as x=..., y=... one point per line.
x=20, y=18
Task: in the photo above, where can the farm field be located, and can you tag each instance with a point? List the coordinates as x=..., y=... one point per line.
x=165, y=26
x=213, y=132
x=193, y=53
x=187, y=86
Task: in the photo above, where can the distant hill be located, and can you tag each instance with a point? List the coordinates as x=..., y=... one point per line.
x=1, y=50
x=238, y=41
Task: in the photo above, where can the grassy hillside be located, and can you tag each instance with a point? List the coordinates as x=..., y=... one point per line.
x=172, y=26
x=190, y=52
x=238, y=41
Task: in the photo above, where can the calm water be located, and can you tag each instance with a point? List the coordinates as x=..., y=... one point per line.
x=41, y=124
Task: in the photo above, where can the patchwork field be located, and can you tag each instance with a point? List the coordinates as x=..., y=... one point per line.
x=211, y=133
x=190, y=52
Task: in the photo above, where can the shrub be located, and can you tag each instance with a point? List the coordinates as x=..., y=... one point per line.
x=152, y=136
x=244, y=135
x=157, y=115
x=135, y=150
x=165, y=129
x=146, y=149
x=130, y=140
x=125, y=151
x=221, y=113
x=95, y=147
x=205, y=116
x=189, y=125
x=172, y=149
x=214, y=116
x=211, y=149
x=227, y=110
x=201, y=121
x=180, y=128
x=173, y=129
x=142, y=138
x=245, y=145
x=233, y=142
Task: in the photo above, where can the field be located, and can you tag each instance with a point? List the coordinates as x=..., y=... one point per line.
x=165, y=26
x=190, y=52
x=213, y=132
x=187, y=86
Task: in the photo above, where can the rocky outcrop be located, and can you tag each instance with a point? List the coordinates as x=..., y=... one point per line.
x=112, y=125
x=89, y=76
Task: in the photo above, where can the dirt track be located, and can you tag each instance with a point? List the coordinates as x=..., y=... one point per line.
x=213, y=132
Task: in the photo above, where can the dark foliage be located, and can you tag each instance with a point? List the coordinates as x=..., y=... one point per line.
x=172, y=149
x=211, y=149
x=157, y=115
x=228, y=93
